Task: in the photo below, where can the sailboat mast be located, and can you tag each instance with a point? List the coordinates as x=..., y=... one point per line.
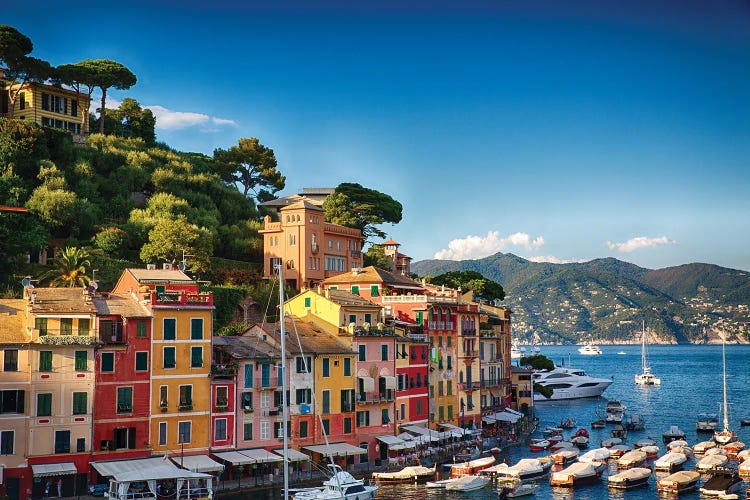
x=284, y=385
x=724, y=363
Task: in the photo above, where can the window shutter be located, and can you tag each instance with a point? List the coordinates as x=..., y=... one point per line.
x=249, y=375
x=131, y=438
x=21, y=402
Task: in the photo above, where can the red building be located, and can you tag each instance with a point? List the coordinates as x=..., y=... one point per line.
x=122, y=379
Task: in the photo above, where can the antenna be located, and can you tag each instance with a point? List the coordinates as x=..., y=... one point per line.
x=183, y=265
x=93, y=276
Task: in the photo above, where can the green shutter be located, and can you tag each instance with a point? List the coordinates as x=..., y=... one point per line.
x=196, y=328
x=82, y=361
x=169, y=329
x=43, y=405
x=45, y=361
x=374, y=290
x=66, y=326
x=355, y=289
x=84, y=327
x=196, y=357
x=169, y=357
x=80, y=400
x=307, y=301
x=141, y=330
x=108, y=362
x=41, y=325
x=247, y=432
x=141, y=361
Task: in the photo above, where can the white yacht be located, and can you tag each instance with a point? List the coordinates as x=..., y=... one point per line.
x=517, y=352
x=569, y=383
x=341, y=485
x=645, y=377
x=589, y=350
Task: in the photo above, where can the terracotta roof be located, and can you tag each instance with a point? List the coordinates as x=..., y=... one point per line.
x=345, y=298
x=313, y=339
x=13, y=321
x=8, y=208
x=372, y=274
x=160, y=276
x=61, y=300
x=303, y=203
x=119, y=304
x=390, y=242
x=247, y=347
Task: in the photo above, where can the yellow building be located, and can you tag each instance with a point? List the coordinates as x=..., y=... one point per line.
x=46, y=105
x=180, y=353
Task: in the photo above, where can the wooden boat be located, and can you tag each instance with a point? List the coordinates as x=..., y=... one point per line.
x=635, y=458
x=679, y=482
x=734, y=447
x=471, y=467
x=468, y=483
x=703, y=447
x=674, y=433
x=564, y=457
x=520, y=490
x=577, y=474
x=407, y=474
x=630, y=478
x=525, y=469
x=619, y=450
x=721, y=483
x=711, y=462
x=670, y=462
x=539, y=445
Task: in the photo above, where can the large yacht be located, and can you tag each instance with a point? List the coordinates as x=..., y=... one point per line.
x=569, y=383
x=589, y=350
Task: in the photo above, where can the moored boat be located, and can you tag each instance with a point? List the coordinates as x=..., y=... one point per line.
x=609, y=443
x=441, y=483
x=674, y=433
x=645, y=378
x=577, y=474
x=743, y=455
x=725, y=435
x=722, y=482
x=561, y=445
x=342, y=485
x=595, y=455
x=678, y=482
x=589, y=350
x=567, y=423
x=468, y=483
x=635, y=458
x=520, y=490
x=733, y=448
x=744, y=468
x=644, y=442
x=707, y=422
x=407, y=474
x=633, y=422
x=619, y=450
x=526, y=468
x=670, y=462
x=539, y=445
x=564, y=457
x=651, y=451
x=580, y=442
x=677, y=443
x=471, y=467
x=711, y=462
x=630, y=478
x=569, y=383
x=619, y=432
x=703, y=447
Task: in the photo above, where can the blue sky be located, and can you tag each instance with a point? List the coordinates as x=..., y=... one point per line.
x=558, y=131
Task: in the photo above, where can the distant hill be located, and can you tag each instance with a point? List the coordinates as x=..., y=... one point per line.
x=607, y=300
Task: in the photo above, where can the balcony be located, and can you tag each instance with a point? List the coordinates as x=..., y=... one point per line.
x=270, y=382
x=185, y=406
x=487, y=333
x=224, y=370
x=355, y=254
x=468, y=331
x=419, y=337
x=375, y=397
x=182, y=299
x=469, y=353
x=469, y=386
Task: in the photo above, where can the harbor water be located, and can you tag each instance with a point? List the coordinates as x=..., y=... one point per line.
x=691, y=383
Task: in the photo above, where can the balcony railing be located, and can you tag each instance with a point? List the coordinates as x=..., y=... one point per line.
x=225, y=370
x=487, y=333
x=419, y=337
x=469, y=353
x=356, y=254
x=375, y=397
x=182, y=299
x=469, y=386
x=468, y=331
x=266, y=382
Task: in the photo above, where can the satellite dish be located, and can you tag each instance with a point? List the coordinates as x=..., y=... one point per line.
x=181, y=266
x=26, y=282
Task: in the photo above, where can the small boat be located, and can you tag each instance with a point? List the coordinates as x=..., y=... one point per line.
x=645, y=377
x=599, y=424
x=630, y=478
x=564, y=457
x=743, y=455
x=609, y=443
x=580, y=442
x=552, y=431
x=577, y=474
x=562, y=445
x=468, y=483
x=619, y=450
x=670, y=462
x=633, y=422
x=567, y=423
x=678, y=482
x=407, y=474
x=342, y=485
x=744, y=422
x=635, y=458
x=539, y=445
x=619, y=432
x=677, y=443
x=614, y=411
x=685, y=450
x=717, y=451
x=589, y=350
x=674, y=433
x=520, y=490
x=734, y=447
x=707, y=422
x=650, y=451
x=526, y=468
x=703, y=447
x=517, y=352
x=440, y=484
x=595, y=455
x=621, y=353
x=472, y=467
x=744, y=468
x=644, y=442
x=725, y=435
x=711, y=463
x=722, y=482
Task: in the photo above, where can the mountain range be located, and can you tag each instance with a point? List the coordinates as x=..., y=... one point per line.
x=609, y=301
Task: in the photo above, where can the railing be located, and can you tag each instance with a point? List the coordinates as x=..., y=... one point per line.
x=420, y=337
x=468, y=332
x=182, y=299
x=374, y=397
x=185, y=406
x=418, y=298
x=356, y=254
x=469, y=353
x=487, y=333
x=469, y=386
x=266, y=382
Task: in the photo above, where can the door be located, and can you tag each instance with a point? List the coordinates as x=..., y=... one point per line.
x=265, y=375
x=12, y=485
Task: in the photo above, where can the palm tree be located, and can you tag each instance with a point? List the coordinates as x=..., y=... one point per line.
x=69, y=270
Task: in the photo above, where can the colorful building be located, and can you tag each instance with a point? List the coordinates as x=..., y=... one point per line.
x=182, y=325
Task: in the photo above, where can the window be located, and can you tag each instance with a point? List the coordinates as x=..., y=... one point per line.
x=292, y=240
x=448, y=341
x=374, y=292
x=303, y=429
x=419, y=407
x=10, y=360
x=108, y=362
x=140, y=330
x=183, y=431
x=403, y=411
x=220, y=430
x=449, y=388
x=186, y=396
x=247, y=400
x=368, y=318
x=66, y=326
x=141, y=361
x=355, y=289
x=124, y=399
x=170, y=360
x=163, y=395
x=450, y=412
x=363, y=418
x=384, y=416
x=327, y=426
x=162, y=433
x=247, y=431
x=170, y=328
x=265, y=399
x=7, y=442
x=326, y=401
x=303, y=364
x=196, y=357
x=62, y=441
x=362, y=351
x=81, y=361
x=44, y=405
x=248, y=375
x=196, y=328
x=222, y=396
x=125, y=438
x=84, y=327
x=440, y=388
x=73, y=107
x=304, y=396
x=22, y=100
x=347, y=367
x=347, y=425
x=41, y=325
x=110, y=331
x=80, y=403
x=326, y=367
x=12, y=401
x=384, y=352
x=307, y=301
x=265, y=429
x=45, y=361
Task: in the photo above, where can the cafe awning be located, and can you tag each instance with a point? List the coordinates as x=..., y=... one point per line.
x=197, y=463
x=259, y=455
x=58, y=469
x=293, y=455
x=234, y=457
x=390, y=440
x=336, y=449
x=143, y=470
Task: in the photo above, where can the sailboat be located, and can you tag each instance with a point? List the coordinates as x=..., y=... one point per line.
x=724, y=436
x=645, y=377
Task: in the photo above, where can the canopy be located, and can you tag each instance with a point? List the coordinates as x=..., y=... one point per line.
x=337, y=449
x=368, y=384
x=197, y=463
x=234, y=457
x=259, y=455
x=505, y=416
x=293, y=455
x=390, y=440
x=58, y=469
x=143, y=470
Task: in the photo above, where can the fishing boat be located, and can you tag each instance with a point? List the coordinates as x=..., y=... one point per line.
x=635, y=458
x=341, y=485
x=711, y=462
x=539, y=445
x=725, y=435
x=670, y=462
x=722, y=482
x=519, y=490
x=577, y=474
x=407, y=474
x=589, y=350
x=645, y=377
x=674, y=433
x=707, y=422
x=471, y=467
x=525, y=469
x=468, y=483
x=678, y=482
x=630, y=478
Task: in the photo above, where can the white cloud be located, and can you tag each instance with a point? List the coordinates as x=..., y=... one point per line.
x=639, y=242
x=476, y=247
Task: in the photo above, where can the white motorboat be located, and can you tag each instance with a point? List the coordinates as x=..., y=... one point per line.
x=343, y=486
x=703, y=447
x=410, y=473
x=677, y=443
x=520, y=490
x=725, y=435
x=707, y=422
x=517, y=352
x=678, y=482
x=589, y=350
x=744, y=468
x=673, y=434
x=569, y=383
x=595, y=455
x=526, y=468
x=441, y=484
x=577, y=474
x=670, y=462
x=645, y=377
x=472, y=467
x=614, y=411
x=468, y=483
x=635, y=458
x=565, y=456
x=630, y=478
x=711, y=462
